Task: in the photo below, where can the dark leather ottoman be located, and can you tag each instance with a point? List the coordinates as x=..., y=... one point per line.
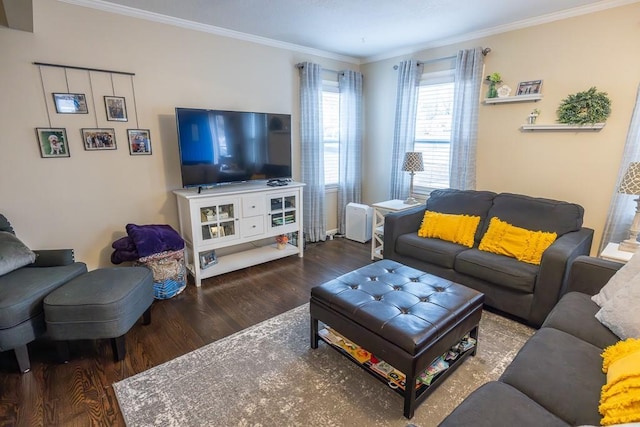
x=402, y=315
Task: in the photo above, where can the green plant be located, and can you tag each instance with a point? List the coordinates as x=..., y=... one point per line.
x=494, y=78
x=585, y=107
x=535, y=112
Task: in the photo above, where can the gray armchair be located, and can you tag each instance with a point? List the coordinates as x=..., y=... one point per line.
x=22, y=292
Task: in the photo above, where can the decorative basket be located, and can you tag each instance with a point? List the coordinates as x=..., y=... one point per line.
x=169, y=272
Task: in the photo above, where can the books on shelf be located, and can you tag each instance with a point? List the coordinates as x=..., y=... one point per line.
x=394, y=377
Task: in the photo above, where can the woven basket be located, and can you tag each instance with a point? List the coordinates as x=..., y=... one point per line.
x=169, y=272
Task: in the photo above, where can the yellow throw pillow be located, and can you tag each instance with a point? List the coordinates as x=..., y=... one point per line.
x=453, y=228
x=620, y=397
x=524, y=245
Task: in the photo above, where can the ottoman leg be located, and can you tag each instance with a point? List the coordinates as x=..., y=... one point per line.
x=314, y=333
x=62, y=348
x=119, y=350
x=410, y=395
x=474, y=334
x=22, y=356
x=146, y=317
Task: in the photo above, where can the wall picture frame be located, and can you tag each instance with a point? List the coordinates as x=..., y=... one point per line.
x=139, y=142
x=99, y=139
x=532, y=87
x=53, y=142
x=70, y=103
x=116, y=108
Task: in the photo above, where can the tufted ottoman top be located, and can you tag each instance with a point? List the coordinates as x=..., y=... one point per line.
x=403, y=305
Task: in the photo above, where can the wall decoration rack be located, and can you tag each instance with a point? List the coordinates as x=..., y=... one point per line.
x=510, y=99
x=561, y=127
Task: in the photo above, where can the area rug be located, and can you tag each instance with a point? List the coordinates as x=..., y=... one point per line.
x=267, y=375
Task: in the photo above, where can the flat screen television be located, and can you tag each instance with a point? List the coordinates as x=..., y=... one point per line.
x=221, y=147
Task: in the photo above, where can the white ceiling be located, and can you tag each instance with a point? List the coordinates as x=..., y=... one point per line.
x=362, y=30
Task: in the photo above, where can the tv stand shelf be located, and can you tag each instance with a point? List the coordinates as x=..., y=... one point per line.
x=239, y=223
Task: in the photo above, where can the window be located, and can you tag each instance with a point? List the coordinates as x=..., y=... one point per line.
x=433, y=130
x=331, y=132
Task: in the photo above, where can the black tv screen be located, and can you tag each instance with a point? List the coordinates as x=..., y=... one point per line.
x=219, y=147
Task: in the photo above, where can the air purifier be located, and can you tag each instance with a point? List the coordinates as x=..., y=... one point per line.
x=358, y=222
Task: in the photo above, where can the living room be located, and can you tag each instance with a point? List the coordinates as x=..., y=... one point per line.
x=87, y=199
x=176, y=67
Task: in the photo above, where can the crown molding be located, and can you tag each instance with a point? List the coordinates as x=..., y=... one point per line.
x=211, y=29
x=518, y=25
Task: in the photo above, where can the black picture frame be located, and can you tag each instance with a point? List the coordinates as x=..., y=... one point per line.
x=70, y=103
x=532, y=87
x=97, y=139
x=53, y=142
x=139, y=142
x=116, y=108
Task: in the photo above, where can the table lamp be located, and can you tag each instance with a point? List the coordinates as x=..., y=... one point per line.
x=631, y=185
x=413, y=163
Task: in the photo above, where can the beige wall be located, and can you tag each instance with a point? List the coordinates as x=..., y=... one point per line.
x=85, y=201
x=570, y=56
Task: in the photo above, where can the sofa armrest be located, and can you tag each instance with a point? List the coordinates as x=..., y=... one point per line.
x=589, y=274
x=554, y=270
x=399, y=223
x=53, y=258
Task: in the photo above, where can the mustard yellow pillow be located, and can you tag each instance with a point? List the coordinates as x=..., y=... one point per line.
x=524, y=245
x=453, y=228
x=620, y=397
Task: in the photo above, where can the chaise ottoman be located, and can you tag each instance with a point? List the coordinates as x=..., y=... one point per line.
x=103, y=303
x=401, y=315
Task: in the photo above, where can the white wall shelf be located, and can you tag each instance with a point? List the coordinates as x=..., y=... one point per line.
x=509, y=99
x=563, y=127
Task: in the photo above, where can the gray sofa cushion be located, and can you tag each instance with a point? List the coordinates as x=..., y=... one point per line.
x=575, y=315
x=433, y=251
x=497, y=269
x=493, y=405
x=13, y=253
x=469, y=202
x=536, y=214
x=550, y=355
x=22, y=291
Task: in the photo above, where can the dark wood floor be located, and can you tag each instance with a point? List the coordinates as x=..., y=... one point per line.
x=80, y=393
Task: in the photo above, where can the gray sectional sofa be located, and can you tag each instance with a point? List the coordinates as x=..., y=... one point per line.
x=521, y=289
x=556, y=378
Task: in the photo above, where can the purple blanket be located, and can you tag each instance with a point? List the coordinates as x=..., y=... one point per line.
x=145, y=240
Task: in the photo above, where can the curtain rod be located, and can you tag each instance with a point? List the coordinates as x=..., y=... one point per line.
x=301, y=65
x=485, y=52
x=44, y=64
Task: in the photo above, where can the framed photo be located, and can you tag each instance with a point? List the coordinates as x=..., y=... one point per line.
x=139, y=142
x=207, y=259
x=116, y=108
x=70, y=103
x=53, y=142
x=532, y=87
x=99, y=139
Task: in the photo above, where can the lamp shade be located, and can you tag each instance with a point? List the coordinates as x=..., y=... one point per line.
x=413, y=162
x=631, y=181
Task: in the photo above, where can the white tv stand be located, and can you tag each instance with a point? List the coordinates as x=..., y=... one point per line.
x=239, y=222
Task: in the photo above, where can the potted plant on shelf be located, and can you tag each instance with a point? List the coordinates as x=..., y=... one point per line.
x=588, y=107
x=533, y=116
x=493, y=79
x=281, y=241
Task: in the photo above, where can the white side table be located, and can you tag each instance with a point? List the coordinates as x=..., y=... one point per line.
x=612, y=253
x=380, y=210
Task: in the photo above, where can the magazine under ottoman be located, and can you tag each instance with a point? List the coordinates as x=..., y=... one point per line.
x=403, y=316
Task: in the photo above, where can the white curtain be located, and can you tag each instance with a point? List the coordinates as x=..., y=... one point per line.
x=314, y=221
x=350, y=182
x=464, y=130
x=409, y=73
x=623, y=206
